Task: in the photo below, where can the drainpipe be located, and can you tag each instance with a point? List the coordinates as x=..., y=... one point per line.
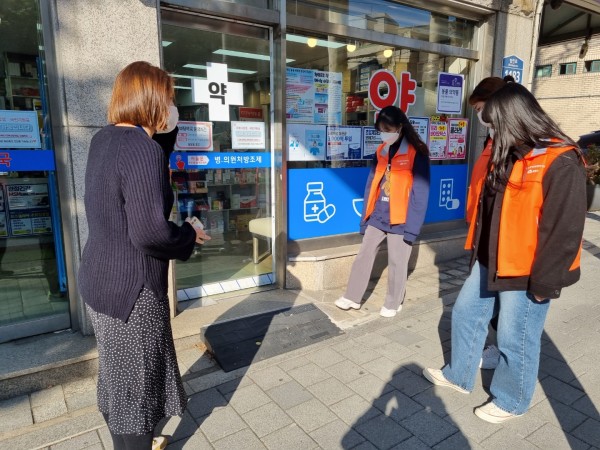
x=534, y=44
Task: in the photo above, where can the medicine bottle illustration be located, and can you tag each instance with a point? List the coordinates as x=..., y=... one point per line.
x=315, y=205
x=314, y=202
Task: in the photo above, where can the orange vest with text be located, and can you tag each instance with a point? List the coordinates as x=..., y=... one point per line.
x=477, y=180
x=520, y=214
x=400, y=179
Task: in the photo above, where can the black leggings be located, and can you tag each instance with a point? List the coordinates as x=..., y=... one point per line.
x=130, y=441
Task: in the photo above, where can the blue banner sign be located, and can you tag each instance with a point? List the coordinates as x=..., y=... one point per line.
x=447, y=193
x=513, y=66
x=26, y=160
x=324, y=202
x=210, y=160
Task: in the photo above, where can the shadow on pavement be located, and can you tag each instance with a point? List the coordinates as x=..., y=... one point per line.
x=396, y=418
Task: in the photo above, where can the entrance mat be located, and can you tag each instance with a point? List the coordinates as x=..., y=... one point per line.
x=238, y=343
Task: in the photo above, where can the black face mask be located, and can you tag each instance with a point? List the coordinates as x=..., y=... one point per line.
x=167, y=140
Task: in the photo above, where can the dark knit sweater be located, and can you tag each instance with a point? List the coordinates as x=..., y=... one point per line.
x=128, y=199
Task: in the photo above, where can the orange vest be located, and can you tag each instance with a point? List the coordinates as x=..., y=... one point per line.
x=401, y=180
x=520, y=214
x=477, y=180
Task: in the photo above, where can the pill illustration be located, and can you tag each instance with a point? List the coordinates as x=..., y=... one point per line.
x=326, y=213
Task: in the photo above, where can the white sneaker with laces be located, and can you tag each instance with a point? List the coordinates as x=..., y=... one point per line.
x=345, y=304
x=436, y=376
x=490, y=358
x=491, y=413
x=389, y=312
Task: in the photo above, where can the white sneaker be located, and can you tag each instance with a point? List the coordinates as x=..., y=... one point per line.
x=491, y=413
x=437, y=377
x=389, y=312
x=490, y=358
x=345, y=304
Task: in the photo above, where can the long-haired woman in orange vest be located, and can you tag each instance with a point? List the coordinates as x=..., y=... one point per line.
x=526, y=242
x=482, y=92
x=395, y=203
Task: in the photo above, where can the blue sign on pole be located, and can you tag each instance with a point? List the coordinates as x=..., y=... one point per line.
x=513, y=66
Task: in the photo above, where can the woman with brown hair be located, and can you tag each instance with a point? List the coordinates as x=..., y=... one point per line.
x=123, y=274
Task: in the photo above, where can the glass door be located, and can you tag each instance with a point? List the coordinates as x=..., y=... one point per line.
x=33, y=284
x=221, y=167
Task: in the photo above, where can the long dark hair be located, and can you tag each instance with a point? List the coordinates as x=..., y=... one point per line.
x=518, y=119
x=393, y=117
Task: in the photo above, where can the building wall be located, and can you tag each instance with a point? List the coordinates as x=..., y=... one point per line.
x=92, y=42
x=572, y=100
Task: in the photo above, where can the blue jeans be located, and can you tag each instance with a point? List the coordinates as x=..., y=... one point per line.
x=520, y=326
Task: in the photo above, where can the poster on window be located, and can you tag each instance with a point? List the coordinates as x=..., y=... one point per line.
x=438, y=138
x=313, y=96
x=299, y=95
x=248, y=135
x=344, y=143
x=20, y=223
x=194, y=136
x=306, y=142
x=421, y=126
x=27, y=196
x=41, y=222
x=449, y=93
x=371, y=141
x=457, y=138
x=19, y=129
x=328, y=98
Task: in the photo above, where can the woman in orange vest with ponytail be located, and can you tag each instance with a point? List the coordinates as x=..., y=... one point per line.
x=525, y=236
x=395, y=203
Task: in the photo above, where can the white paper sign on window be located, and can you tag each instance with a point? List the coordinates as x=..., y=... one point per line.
x=248, y=135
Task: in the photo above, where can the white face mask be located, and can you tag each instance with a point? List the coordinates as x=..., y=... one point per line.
x=171, y=121
x=389, y=138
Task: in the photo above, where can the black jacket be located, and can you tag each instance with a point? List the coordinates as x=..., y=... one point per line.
x=560, y=229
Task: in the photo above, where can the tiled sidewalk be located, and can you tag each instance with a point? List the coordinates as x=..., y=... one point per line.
x=362, y=389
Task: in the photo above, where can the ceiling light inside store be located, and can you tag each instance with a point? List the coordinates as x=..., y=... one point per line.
x=229, y=69
x=351, y=47
x=183, y=88
x=388, y=52
x=166, y=43
x=191, y=77
x=247, y=55
x=313, y=42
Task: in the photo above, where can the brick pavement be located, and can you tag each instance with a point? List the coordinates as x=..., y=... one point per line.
x=360, y=390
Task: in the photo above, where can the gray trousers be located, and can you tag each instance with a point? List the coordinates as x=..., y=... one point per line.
x=398, y=255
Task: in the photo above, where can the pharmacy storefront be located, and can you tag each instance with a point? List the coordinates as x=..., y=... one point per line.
x=276, y=133
x=276, y=100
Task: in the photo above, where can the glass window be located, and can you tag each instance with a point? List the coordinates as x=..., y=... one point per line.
x=221, y=167
x=592, y=66
x=349, y=67
x=543, y=71
x=32, y=276
x=568, y=69
x=256, y=3
x=389, y=17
